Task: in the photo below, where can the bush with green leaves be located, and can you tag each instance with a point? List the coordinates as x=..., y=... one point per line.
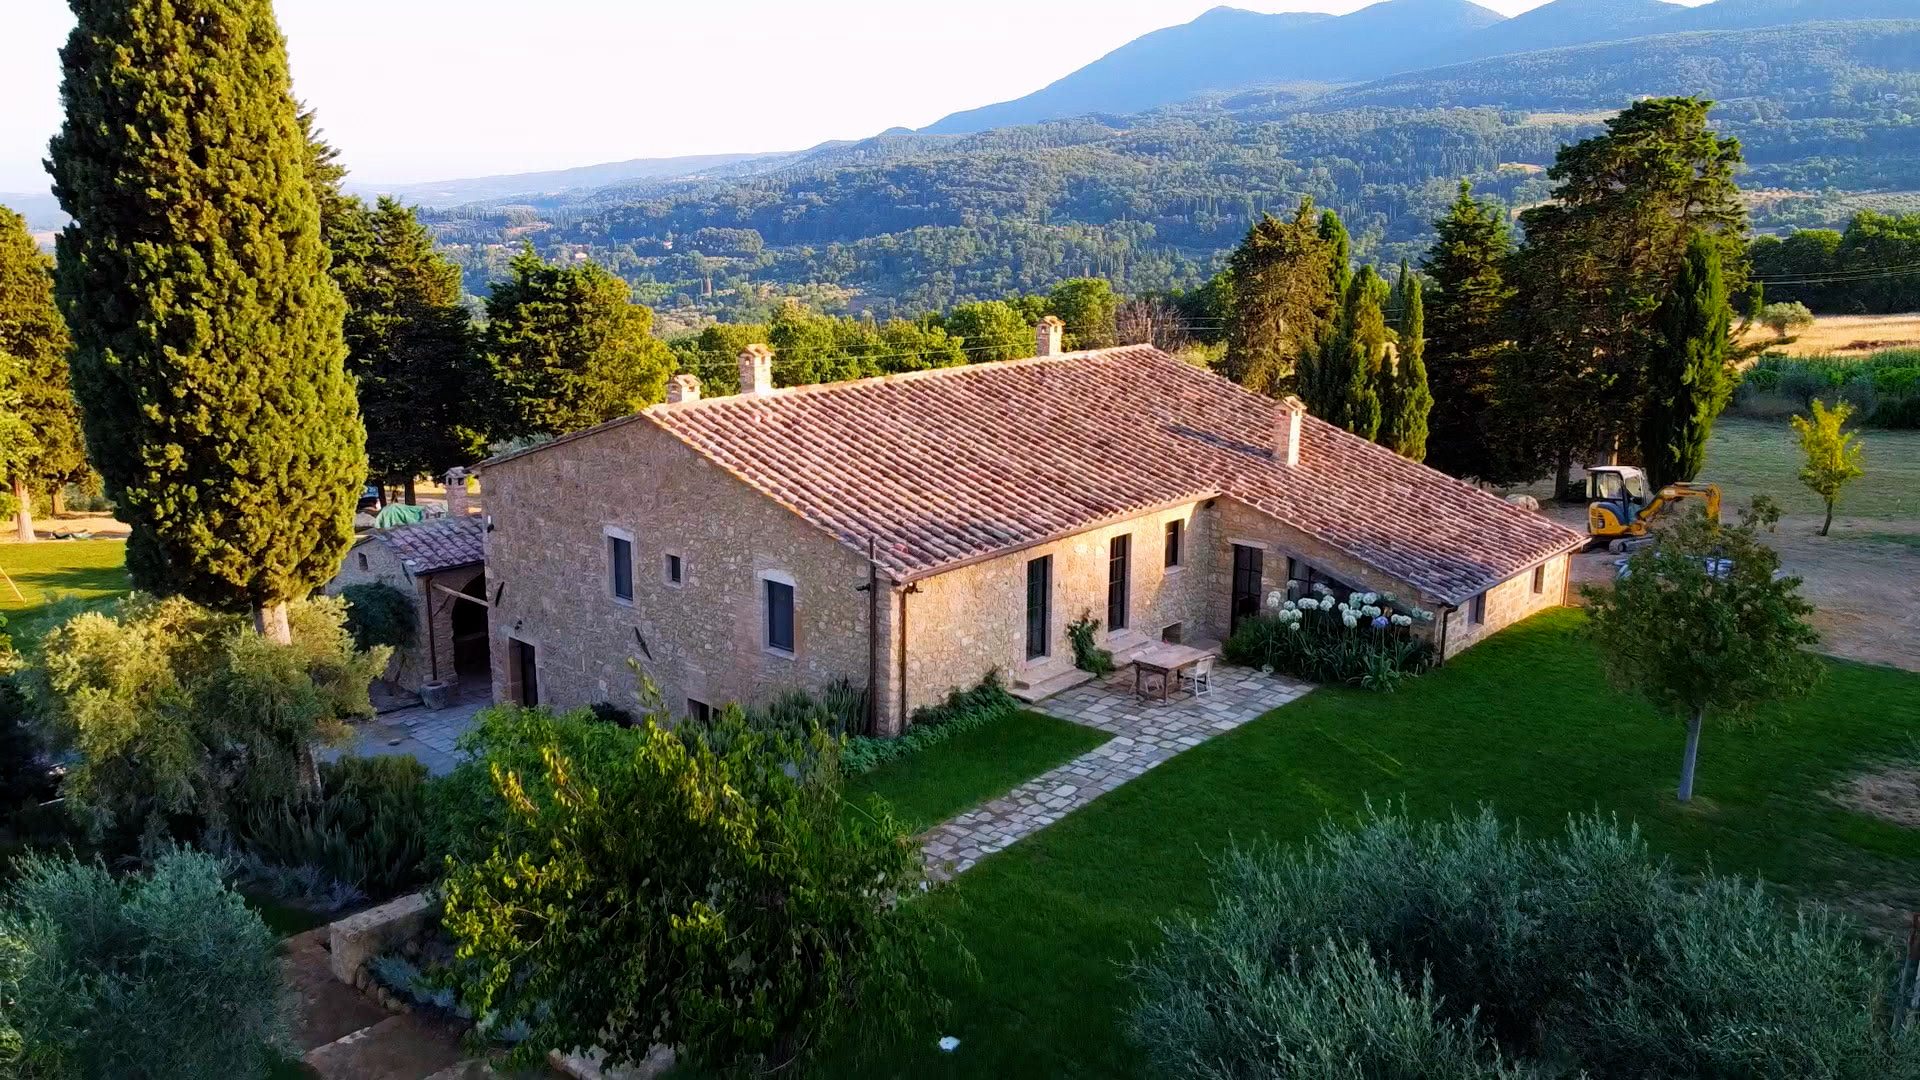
x=167, y=975
x=697, y=886
x=361, y=838
x=173, y=711
x=379, y=614
x=1088, y=656
x=839, y=709
x=1370, y=951
x=1368, y=639
x=962, y=710
x=1882, y=387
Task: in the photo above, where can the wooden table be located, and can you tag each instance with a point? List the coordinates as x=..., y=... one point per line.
x=1168, y=660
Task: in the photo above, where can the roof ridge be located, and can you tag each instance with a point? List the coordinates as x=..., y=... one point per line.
x=948, y=371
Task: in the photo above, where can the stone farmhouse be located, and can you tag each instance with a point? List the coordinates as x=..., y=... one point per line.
x=912, y=532
x=440, y=565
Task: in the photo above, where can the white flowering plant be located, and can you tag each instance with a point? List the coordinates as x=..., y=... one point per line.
x=1366, y=639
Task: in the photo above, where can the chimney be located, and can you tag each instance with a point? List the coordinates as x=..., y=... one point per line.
x=1289, y=414
x=756, y=370
x=683, y=388
x=457, y=492
x=1046, y=336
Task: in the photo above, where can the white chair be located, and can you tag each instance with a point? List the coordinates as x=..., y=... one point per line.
x=1198, y=677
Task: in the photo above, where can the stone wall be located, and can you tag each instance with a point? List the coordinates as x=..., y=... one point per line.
x=371, y=562
x=968, y=621
x=547, y=557
x=1507, y=603
x=437, y=619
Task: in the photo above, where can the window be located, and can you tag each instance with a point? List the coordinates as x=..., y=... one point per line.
x=1170, y=633
x=524, y=669
x=1174, y=530
x=1249, y=564
x=699, y=710
x=779, y=615
x=673, y=569
x=362, y=556
x=1119, y=554
x=1304, y=573
x=1039, y=605
x=1477, y=614
x=620, y=567
x=1540, y=579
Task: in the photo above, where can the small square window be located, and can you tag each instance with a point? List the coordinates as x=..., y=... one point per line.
x=620, y=567
x=1170, y=633
x=1174, y=530
x=779, y=616
x=1540, y=579
x=699, y=710
x=673, y=569
x=1477, y=613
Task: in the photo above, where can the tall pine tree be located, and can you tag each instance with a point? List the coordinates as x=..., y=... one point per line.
x=1408, y=401
x=208, y=359
x=568, y=349
x=48, y=451
x=1467, y=333
x=1281, y=303
x=1346, y=379
x=1689, y=380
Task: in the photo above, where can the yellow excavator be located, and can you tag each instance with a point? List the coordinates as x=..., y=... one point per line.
x=1621, y=508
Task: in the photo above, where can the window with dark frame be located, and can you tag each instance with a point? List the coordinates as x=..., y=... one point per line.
x=779, y=616
x=1039, y=606
x=1304, y=573
x=1540, y=579
x=1170, y=633
x=673, y=569
x=1477, y=613
x=363, y=560
x=620, y=566
x=1119, y=570
x=1174, y=530
x=699, y=710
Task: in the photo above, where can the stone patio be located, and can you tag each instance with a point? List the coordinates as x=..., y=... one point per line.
x=1145, y=733
x=425, y=733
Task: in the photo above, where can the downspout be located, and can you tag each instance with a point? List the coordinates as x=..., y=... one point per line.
x=904, y=593
x=873, y=639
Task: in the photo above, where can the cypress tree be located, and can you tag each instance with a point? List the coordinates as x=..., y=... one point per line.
x=1467, y=334
x=1407, y=405
x=1333, y=233
x=1281, y=304
x=47, y=450
x=1345, y=389
x=1688, y=381
x=208, y=359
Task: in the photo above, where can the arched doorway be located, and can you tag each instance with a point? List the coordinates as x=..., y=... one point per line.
x=472, y=664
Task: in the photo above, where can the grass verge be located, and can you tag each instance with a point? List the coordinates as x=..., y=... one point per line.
x=929, y=787
x=86, y=570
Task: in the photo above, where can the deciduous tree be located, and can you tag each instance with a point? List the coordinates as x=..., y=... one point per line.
x=1702, y=624
x=49, y=452
x=1087, y=306
x=568, y=349
x=990, y=330
x=1688, y=379
x=208, y=360
x=1833, y=457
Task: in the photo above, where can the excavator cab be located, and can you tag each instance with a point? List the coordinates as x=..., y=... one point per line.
x=1617, y=496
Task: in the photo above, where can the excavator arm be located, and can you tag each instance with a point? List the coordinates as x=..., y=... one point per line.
x=1672, y=494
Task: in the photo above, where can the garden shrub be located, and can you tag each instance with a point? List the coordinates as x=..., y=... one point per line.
x=608, y=713
x=379, y=614
x=963, y=710
x=1086, y=655
x=362, y=838
x=1367, y=640
x=168, y=975
x=697, y=885
x=173, y=711
x=1581, y=956
x=840, y=709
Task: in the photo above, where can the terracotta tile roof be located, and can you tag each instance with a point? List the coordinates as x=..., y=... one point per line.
x=436, y=544
x=954, y=465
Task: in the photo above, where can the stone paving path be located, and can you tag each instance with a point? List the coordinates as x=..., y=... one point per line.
x=427, y=735
x=1144, y=735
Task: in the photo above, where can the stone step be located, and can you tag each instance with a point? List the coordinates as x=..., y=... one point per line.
x=325, y=1007
x=402, y=1047
x=1042, y=689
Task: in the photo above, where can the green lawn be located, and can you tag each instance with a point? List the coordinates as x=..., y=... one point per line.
x=1747, y=456
x=927, y=788
x=1524, y=722
x=51, y=569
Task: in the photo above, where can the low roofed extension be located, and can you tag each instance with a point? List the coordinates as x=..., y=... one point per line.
x=946, y=467
x=435, y=545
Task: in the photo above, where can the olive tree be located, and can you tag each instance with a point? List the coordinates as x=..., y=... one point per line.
x=1703, y=623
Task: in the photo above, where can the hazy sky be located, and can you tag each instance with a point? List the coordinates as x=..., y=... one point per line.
x=441, y=89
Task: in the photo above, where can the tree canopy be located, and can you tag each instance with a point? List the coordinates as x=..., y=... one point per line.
x=50, y=452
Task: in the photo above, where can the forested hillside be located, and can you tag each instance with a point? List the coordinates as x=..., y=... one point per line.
x=906, y=223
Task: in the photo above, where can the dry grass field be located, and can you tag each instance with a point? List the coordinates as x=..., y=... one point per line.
x=1854, y=334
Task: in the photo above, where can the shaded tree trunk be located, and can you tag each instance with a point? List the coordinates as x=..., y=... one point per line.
x=1563, y=477
x=23, y=510
x=270, y=622
x=1692, y=755
x=58, y=498
x=1827, y=524
x=409, y=490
